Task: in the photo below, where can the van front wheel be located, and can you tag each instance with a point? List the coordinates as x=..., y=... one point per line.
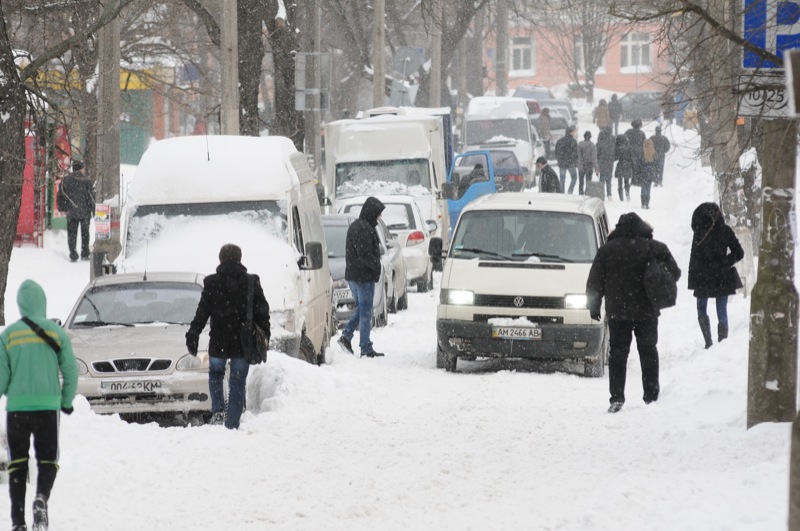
x=445, y=360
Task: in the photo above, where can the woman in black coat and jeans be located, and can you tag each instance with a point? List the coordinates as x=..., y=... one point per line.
x=715, y=249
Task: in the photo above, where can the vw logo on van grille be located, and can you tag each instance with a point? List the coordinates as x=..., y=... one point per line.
x=519, y=302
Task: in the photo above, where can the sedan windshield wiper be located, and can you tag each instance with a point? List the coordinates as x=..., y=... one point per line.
x=93, y=324
x=475, y=250
x=542, y=255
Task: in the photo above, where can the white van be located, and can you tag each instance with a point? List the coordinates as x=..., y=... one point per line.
x=494, y=122
x=514, y=281
x=191, y=195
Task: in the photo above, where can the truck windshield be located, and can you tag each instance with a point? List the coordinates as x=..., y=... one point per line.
x=487, y=131
x=525, y=236
x=382, y=176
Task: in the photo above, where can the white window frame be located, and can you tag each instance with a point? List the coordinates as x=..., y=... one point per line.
x=632, y=47
x=521, y=44
x=579, y=64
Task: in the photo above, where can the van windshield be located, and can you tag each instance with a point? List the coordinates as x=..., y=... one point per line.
x=148, y=221
x=382, y=176
x=488, y=131
x=525, y=236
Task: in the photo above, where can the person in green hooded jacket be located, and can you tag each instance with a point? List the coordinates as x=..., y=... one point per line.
x=29, y=377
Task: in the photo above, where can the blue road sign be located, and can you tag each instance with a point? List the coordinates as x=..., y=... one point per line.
x=773, y=25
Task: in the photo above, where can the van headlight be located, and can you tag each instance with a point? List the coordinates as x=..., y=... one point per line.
x=575, y=301
x=460, y=297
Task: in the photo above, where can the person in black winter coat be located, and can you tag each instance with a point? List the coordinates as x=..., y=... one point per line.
x=715, y=249
x=636, y=138
x=662, y=146
x=567, y=158
x=605, y=160
x=224, y=301
x=362, y=271
x=615, y=112
x=76, y=198
x=616, y=275
x=548, y=181
x=624, y=167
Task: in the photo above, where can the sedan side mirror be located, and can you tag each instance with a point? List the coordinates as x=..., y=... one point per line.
x=431, y=225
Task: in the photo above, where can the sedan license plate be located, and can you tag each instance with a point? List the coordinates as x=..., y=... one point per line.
x=341, y=295
x=527, y=333
x=132, y=386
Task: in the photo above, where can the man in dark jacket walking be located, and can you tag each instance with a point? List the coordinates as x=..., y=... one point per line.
x=224, y=300
x=362, y=271
x=605, y=160
x=548, y=180
x=636, y=138
x=615, y=112
x=662, y=145
x=29, y=377
x=76, y=198
x=616, y=274
x=567, y=158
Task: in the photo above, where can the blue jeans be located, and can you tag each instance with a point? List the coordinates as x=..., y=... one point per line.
x=646, y=193
x=607, y=180
x=363, y=292
x=573, y=174
x=237, y=384
x=722, y=308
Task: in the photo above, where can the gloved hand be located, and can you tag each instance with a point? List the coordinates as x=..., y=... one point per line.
x=67, y=410
x=191, y=343
x=594, y=315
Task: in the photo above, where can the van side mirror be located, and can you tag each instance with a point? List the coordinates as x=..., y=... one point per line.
x=450, y=189
x=435, y=248
x=312, y=260
x=431, y=225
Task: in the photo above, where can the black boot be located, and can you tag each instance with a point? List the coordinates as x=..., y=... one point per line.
x=722, y=331
x=705, y=327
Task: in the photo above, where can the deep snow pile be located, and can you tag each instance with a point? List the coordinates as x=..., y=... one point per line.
x=393, y=443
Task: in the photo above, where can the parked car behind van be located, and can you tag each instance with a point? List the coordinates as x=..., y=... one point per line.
x=514, y=281
x=191, y=195
x=642, y=105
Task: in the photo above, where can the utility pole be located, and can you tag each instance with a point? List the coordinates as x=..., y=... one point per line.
x=436, y=56
x=107, y=158
x=378, y=59
x=313, y=125
x=772, y=374
x=229, y=54
x=501, y=50
x=475, y=76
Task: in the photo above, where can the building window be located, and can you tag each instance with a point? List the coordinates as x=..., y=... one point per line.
x=635, y=53
x=522, y=56
x=579, y=58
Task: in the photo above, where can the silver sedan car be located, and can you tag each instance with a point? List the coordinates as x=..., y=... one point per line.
x=128, y=334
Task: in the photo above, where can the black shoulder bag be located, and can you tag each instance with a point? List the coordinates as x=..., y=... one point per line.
x=41, y=333
x=255, y=340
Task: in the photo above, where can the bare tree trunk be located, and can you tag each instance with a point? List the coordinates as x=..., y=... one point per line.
x=772, y=375
x=288, y=121
x=251, y=55
x=794, y=477
x=12, y=154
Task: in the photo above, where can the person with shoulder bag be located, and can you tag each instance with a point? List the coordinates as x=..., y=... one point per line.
x=715, y=250
x=39, y=377
x=225, y=301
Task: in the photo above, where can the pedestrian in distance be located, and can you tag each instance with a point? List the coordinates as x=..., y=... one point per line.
x=362, y=272
x=624, y=166
x=605, y=160
x=39, y=377
x=543, y=124
x=587, y=161
x=224, y=301
x=548, y=180
x=636, y=138
x=617, y=274
x=662, y=146
x=615, y=112
x=76, y=198
x=567, y=158
x=648, y=171
x=712, y=275
x=602, y=116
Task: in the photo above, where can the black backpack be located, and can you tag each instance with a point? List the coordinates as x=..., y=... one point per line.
x=659, y=284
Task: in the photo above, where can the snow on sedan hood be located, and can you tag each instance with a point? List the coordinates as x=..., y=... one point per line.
x=188, y=243
x=145, y=341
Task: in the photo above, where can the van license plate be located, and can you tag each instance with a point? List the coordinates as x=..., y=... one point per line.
x=517, y=332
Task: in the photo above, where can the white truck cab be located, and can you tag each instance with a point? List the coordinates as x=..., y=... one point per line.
x=514, y=281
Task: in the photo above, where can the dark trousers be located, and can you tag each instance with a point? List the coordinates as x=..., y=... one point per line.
x=72, y=236
x=659, y=172
x=646, y=333
x=624, y=182
x=20, y=425
x=584, y=177
x=646, y=193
